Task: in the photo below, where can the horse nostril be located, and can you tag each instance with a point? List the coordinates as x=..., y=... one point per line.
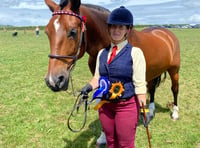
x=60, y=79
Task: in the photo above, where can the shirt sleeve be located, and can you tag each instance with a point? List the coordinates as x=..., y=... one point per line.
x=96, y=74
x=139, y=71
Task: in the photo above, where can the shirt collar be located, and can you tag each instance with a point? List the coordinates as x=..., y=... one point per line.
x=120, y=45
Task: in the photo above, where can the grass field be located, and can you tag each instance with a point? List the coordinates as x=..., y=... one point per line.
x=31, y=115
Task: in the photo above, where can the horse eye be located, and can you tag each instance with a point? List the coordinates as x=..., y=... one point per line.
x=72, y=33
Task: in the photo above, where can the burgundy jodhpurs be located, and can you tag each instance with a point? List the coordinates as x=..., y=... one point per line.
x=119, y=122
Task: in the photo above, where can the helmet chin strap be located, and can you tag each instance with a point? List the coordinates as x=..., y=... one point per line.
x=126, y=35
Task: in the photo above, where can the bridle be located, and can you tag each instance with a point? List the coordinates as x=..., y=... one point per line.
x=83, y=21
x=80, y=99
x=74, y=57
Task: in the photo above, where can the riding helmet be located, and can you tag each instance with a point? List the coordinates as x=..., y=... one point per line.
x=120, y=16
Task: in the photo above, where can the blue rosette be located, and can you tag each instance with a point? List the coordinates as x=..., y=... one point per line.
x=104, y=86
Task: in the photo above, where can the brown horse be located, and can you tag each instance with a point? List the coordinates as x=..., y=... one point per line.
x=70, y=35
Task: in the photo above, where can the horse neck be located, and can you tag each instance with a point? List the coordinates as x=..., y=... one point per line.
x=96, y=29
x=135, y=37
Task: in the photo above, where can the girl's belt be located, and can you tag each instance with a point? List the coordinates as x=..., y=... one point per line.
x=102, y=102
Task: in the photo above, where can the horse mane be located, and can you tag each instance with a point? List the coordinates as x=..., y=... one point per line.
x=151, y=28
x=96, y=7
x=75, y=4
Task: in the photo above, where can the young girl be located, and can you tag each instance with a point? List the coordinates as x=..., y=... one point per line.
x=124, y=67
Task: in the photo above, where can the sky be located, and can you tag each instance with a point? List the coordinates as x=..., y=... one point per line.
x=145, y=12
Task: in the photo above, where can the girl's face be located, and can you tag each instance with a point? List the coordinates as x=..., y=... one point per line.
x=118, y=33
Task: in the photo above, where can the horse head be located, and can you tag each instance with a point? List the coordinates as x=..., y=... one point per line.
x=65, y=32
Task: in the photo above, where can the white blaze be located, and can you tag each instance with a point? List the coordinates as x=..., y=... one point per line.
x=56, y=25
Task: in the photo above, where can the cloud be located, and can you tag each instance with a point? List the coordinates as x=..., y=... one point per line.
x=29, y=5
x=24, y=17
x=195, y=18
x=126, y=2
x=190, y=3
x=35, y=12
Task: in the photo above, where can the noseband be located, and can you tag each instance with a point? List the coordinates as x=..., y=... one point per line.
x=83, y=21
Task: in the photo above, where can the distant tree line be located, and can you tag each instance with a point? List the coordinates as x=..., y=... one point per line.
x=136, y=26
x=20, y=28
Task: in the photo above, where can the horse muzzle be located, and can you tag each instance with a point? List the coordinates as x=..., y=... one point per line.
x=57, y=83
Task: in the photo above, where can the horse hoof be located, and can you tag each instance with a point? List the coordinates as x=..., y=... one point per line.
x=174, y=115
x=152, y=109
x=174, y=119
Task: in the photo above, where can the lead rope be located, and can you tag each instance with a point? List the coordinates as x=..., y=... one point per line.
x=71, y=80
x=80, y=100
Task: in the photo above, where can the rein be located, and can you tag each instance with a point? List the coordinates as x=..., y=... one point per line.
x=81, y=98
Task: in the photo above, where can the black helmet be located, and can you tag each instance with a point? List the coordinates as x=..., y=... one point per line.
x=120, y=16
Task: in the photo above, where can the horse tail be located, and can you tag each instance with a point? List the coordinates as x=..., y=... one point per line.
x=159, y=79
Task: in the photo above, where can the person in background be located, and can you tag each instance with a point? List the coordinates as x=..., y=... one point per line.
x=15, y=33
x=4, y=29
x=123, y=66
x=37, y=31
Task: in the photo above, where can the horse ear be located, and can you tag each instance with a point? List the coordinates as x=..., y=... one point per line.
x=52, y=5
x=74, y=5
x=63, y=3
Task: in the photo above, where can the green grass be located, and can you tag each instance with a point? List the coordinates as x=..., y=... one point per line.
x=31, y=115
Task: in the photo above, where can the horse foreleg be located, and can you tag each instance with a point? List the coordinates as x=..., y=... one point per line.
x=152, y=85
x=174, y=75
